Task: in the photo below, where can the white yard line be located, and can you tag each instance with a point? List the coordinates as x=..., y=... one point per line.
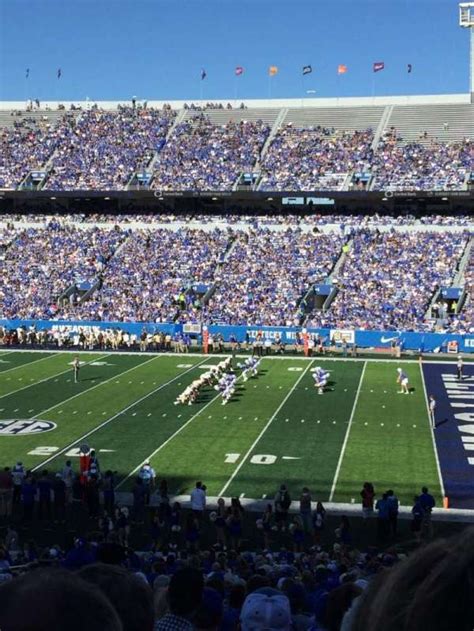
x=346, y=437
x=27, y=365
x=169, y=439
x=270, y=421
x=435, y=450
x=57, y=374
x=98, y=385
x=112, y=418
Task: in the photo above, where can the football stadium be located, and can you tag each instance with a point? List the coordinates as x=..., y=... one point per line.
x=237, y=332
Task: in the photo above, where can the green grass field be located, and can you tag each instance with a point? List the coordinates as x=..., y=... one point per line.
x=276, y=429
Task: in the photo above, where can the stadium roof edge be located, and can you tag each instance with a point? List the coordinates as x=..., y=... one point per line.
x=362, y=101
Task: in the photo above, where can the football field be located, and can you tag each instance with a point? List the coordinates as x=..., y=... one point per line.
x=275, y=429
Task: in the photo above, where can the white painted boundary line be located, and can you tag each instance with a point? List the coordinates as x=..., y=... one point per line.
x=466, y=356
x=269, y=422
x=57, y=374
x=98, y=385
x=435, y=449
x=112, y=418
x=170, y=438
x=27, y=365
x=346, y=437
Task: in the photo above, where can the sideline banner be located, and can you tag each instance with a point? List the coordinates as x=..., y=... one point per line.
x=407, y=340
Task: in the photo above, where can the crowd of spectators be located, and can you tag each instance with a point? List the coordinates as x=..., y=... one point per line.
x=267, y=275
x=40, y=263
x=388, y=279
x=203, y=156
x=237, y=271
x=151, y=279
x=236, y=216
x=24, y=147
x=463, y=322
x=291, y=567
x=433, y=165
x=101, y=150
x=314, y=158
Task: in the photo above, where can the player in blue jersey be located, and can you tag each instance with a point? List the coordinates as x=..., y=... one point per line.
x=321, y=378
x=402, y=379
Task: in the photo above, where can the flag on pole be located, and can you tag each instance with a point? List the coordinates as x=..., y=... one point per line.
x=273, y=70
x=307, y=69
x=203, y=74
x=60, y=72
x=409, y=68
x=239, y=70
x=341, y=69
x=27, y=73
x=378, y=66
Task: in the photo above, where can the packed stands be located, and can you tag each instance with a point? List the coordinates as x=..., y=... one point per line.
x=388, y=279
x=434, y=166
x=102, y=150
x=27, y=145
x=152, y=276
x=425, y=146
x=268, y=273
x=39, y=264
x=233, y=269
x=202, y=156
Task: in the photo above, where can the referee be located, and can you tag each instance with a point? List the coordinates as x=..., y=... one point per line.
x=432, y=406
x=76, y=367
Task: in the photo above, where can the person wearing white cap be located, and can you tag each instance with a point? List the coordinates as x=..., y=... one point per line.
x=402, y=379
x=266, y=609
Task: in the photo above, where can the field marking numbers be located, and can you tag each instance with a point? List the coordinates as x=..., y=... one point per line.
x=43, y=451
x=170, y=438
x=252, y=447
x=112, y=418
x=346, y=437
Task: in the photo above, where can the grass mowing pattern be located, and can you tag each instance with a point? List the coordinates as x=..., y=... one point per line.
x=10, y=361
x=126, y=404
x=390, y=442
x=310, y=427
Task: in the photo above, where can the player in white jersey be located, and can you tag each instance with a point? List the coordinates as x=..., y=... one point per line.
x=321, y=378
x=402, y=379
x=459, y=367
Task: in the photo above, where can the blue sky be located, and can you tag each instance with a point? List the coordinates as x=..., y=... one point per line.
x=155, y=49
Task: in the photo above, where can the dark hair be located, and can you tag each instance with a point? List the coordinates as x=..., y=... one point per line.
x=338, y=602
x=185, y=591
x=129, y=594
x=43, y=600
x=433, y=589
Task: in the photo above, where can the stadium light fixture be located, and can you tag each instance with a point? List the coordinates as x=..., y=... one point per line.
x=466, y=20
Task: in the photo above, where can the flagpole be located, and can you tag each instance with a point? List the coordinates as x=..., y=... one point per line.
x=269, y=85
x=235, y=90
